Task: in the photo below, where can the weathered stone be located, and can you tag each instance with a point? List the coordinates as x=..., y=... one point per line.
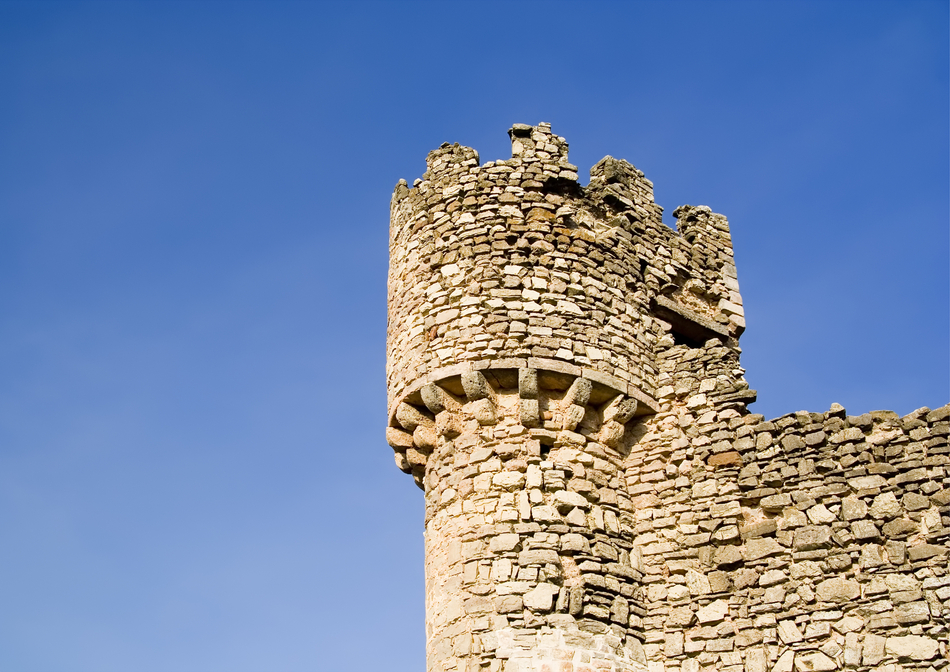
x=775, y=502
x=914, y=647
x=819, y=515
x=811, y=537
x=814, y=661
x=504, y=542
x=565, y=500
x=696, y=583
x=756, y=660
x=924, y=551
x=537, y=556
x=913, y=501
x=898, y=526
x=713, y=612
x=789, y=633
x=865, y=529
x=871, y=556
x=754, y=549
x=680, y=617
x=785, y=662
x=541, y=598
x=838, y=590
x=912, y=612
x=760, y=529
x=853, y=508
x=872, y=649
x=885, y=506
x=727, y=555
x=772, y=577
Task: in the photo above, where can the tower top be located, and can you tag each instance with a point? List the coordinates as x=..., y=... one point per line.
x=495, y=264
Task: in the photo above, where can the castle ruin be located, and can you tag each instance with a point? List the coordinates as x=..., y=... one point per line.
x=564, y=384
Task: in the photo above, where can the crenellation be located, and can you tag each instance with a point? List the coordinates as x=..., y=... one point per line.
x=565, y=385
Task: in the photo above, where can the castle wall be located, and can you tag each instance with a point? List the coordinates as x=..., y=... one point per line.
x=565, y=386
x=816, y=541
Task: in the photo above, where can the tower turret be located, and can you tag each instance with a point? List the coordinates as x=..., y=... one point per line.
x=528, y=319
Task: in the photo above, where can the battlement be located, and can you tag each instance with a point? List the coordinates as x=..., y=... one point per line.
x=514, y=259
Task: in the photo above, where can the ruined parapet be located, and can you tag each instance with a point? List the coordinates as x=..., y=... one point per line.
x=493, y=265
x=564, y=383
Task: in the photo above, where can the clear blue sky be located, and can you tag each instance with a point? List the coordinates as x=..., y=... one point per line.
x=193, y=250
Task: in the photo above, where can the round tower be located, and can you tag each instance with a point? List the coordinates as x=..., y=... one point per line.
x=530, y=325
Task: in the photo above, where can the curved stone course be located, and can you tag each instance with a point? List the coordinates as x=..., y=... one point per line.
x=564, y=384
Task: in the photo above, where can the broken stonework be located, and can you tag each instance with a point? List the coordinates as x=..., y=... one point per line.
x=565, y=386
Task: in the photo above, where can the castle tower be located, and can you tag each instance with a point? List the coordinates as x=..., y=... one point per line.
x=528, y=318
x=564, y=385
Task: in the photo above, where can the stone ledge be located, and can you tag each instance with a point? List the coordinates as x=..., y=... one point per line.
x=687, y=322
x=646, y=405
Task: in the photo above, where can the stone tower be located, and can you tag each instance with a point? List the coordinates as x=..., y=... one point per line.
x=564, y=385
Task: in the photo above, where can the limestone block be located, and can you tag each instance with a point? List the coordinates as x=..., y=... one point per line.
x=578, y=393
x=872, y=650
x=789, y=633
x=575, y=543
x=924, y=551
x=755, y=549
x=673, y=644
x=448, y=424
x=483, y=410
x=756, y=660
x=898, y=527
x=566, y=500
x=885, y=506
x=425, y=438
x=727, y=555
x=811, y=537
x=912, y=612
x=785, y=662
x=853, y=508
x=819, y=515
x=680, y=617
x=872, y=555
x=530, y=413
x=696, y=583
x=541, y=598
x=838, y=590
x=544, y=513
x=852, y=649
x=914, y=647
x=476, y=386
x=865, y=529
x=713, y=612
x=913, y=501
x=402, y=462
x=398, y=439
x=437, y=400
x=814, y=661
x=411, y=417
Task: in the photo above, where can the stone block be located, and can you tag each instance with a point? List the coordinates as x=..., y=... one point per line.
x=913, y=647
x=811, y=537
x=838, y=590
x=814, y=661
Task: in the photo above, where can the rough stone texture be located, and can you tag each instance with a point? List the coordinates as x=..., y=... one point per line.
x=564, y=384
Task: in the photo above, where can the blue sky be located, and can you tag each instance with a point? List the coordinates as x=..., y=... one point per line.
x=193, y=250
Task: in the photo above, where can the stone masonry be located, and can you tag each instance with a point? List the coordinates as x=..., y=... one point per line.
x=564, y=385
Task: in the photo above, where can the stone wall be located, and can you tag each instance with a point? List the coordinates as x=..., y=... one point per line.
x=564, y=384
